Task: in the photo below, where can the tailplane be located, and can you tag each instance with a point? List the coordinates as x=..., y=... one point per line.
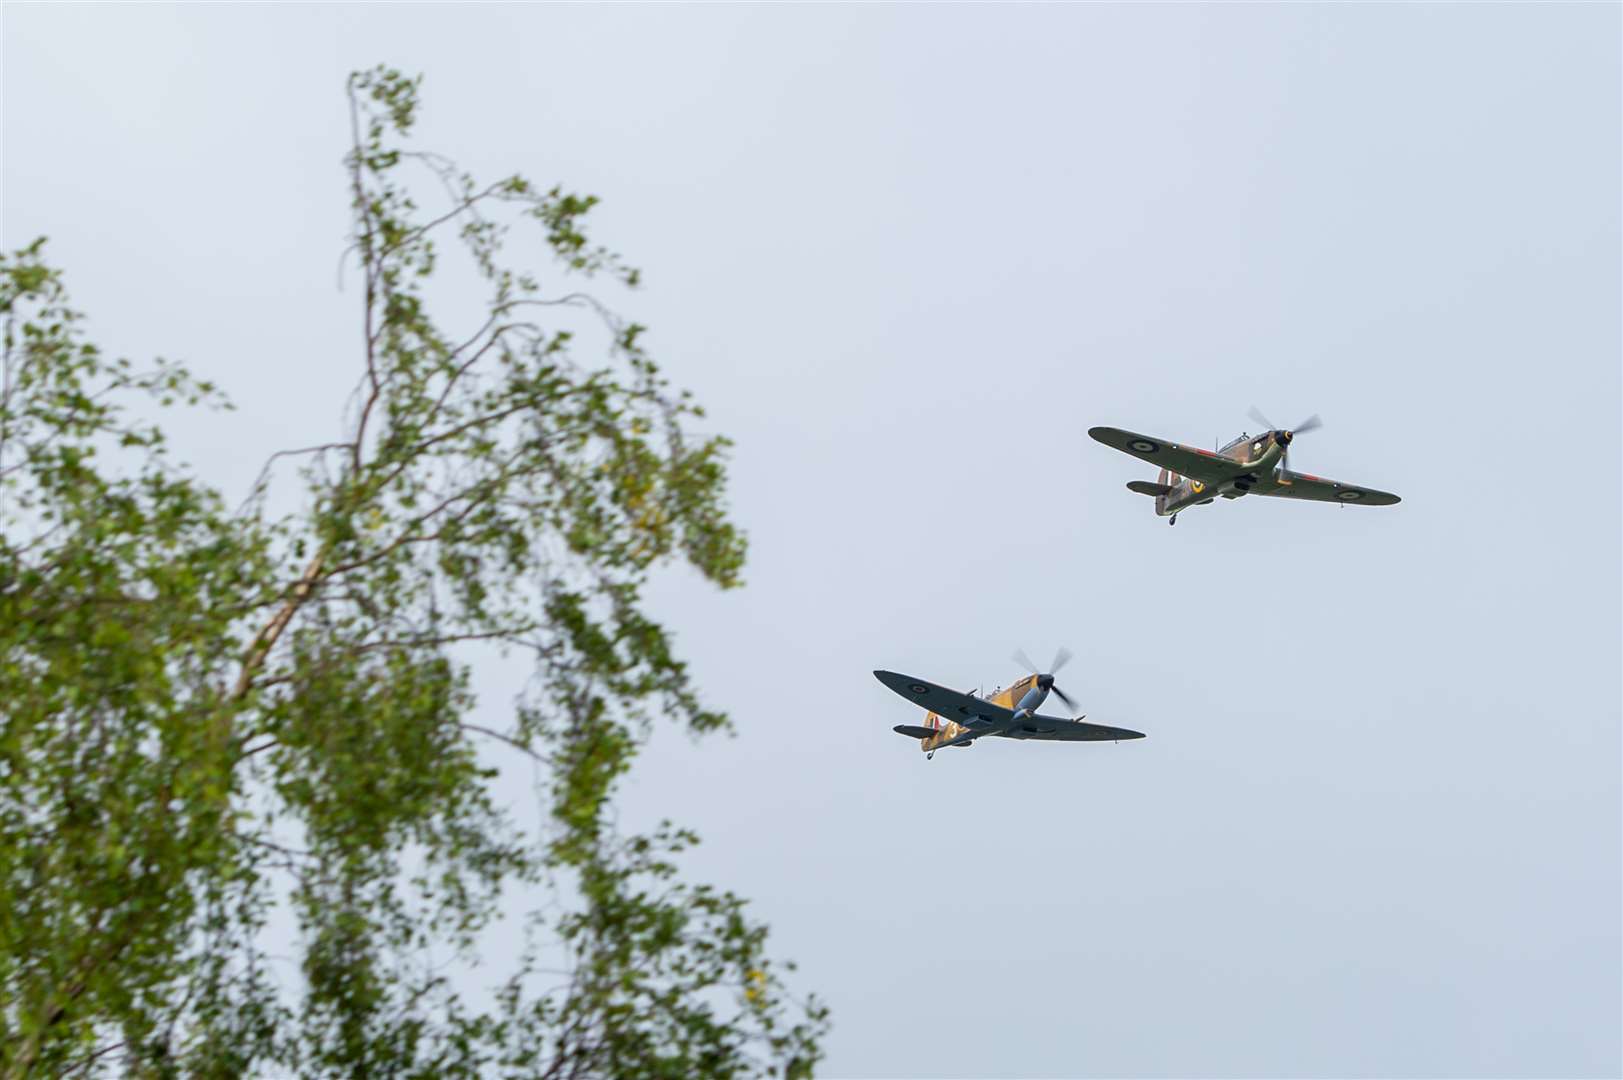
x=933, y=734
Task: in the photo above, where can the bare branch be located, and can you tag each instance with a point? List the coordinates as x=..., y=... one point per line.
x=265, y=470
x=514, y=743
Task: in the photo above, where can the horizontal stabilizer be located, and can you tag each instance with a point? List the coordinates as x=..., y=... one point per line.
x=1144, y=487
x=914, y=731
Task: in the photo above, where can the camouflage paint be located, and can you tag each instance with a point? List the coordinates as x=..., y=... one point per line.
x=948, y=730
x=1260, y=453
x=1249, y=464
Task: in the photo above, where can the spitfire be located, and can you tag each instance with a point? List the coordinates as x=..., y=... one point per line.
x=954, y=718
x=1248, y=465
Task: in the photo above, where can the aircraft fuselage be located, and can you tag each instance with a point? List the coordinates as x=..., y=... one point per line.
x=1024, y=697
x=1260, y=453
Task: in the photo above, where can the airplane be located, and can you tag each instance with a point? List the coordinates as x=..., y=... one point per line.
x=958, y=719
x=1255, y=465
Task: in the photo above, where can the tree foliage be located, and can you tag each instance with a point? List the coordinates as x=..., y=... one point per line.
x=224, y=729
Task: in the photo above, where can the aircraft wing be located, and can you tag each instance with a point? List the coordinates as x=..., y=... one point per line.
x=954, y=705
x=1293, y=485
x=1056, y=729
x=1190, y=461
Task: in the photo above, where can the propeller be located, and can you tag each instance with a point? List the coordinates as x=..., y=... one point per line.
x=1284, y=436
x=1045, y=680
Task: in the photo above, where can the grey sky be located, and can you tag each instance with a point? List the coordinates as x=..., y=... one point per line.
x=907, y=256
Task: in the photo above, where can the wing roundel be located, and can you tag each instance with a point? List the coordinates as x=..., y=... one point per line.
x=951, y=704
x=1190, y=461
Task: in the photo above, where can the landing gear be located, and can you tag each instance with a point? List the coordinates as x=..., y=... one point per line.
x=930, y=756
x=1173, y=520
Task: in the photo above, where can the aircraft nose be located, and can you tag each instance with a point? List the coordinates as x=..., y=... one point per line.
x=1284, y=437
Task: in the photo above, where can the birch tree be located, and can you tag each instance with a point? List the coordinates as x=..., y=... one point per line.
x=216, y=719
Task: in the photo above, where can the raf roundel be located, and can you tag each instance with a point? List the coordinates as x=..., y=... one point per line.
x=1006, y=713
x=1249, y=465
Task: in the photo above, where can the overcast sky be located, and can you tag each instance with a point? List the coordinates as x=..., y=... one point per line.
x=907, y=256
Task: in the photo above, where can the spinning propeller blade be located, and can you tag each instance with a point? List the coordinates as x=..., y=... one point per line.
x=1286, y=435
x=1312, y=423
x=1045, y=679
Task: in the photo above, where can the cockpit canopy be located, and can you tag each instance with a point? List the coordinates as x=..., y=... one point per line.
x=1259, y=443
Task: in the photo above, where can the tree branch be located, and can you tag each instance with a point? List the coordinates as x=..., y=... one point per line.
x=266, y=639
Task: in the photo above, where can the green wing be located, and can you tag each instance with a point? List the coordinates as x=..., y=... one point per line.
x=1197, y=464
x=1291, y=485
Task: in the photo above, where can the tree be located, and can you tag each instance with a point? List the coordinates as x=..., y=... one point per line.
x=217, y=723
